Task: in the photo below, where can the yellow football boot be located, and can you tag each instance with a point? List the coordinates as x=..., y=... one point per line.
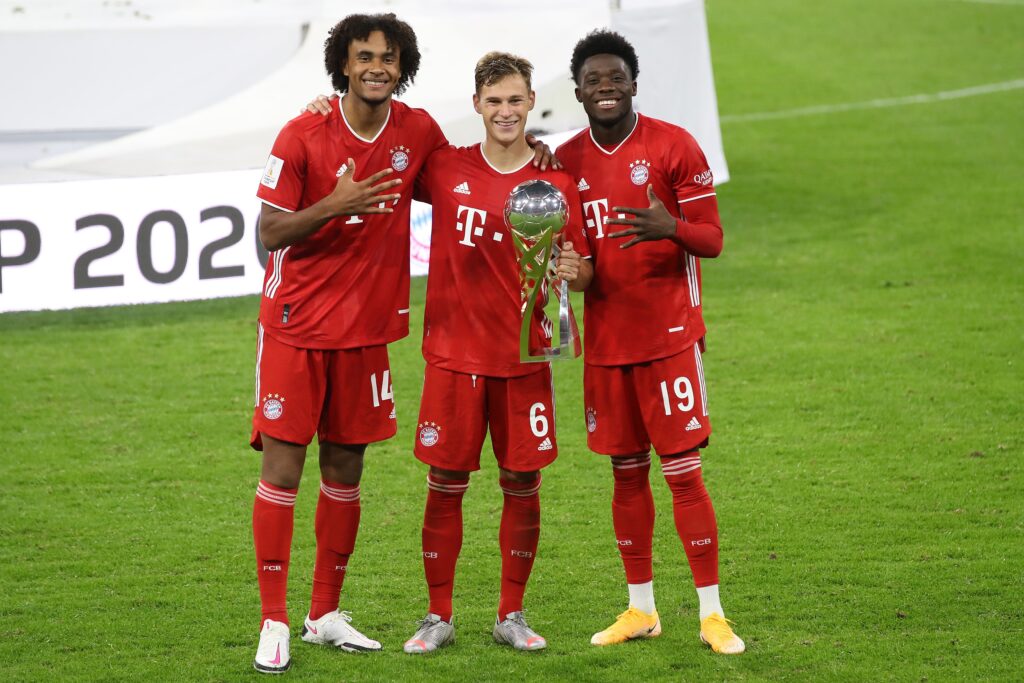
x=630, y=624
x=716, y=634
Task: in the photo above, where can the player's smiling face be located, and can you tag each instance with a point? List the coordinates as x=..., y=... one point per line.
x=372, y=68
x=606, y=89
x=504, y=107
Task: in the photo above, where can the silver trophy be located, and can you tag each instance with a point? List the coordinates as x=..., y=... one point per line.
x=535, y=212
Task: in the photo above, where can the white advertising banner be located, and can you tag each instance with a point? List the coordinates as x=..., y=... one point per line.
x=140, y=240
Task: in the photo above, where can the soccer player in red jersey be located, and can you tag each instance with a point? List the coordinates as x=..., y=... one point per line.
x=474, y=380
x=644, y=331
x=336, y=292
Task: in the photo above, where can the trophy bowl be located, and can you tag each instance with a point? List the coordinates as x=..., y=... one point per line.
x=535, y=208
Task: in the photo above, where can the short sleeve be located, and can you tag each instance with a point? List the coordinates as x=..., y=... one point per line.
x=284, y=176
x=573, y=231
x=435, y=136
x=689, y=170
x=436, y=142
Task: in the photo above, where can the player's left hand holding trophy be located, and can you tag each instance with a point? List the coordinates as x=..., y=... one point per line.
x=536, y=212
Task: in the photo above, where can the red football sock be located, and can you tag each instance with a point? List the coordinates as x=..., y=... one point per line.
x=518, y=536
x=442, y=540
x=337, y=523
x=633, y=516
x=272, y=519
x=694, y=516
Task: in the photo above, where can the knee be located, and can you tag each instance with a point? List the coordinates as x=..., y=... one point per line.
x=342, y=464
x=518, y=477
x=438, y=474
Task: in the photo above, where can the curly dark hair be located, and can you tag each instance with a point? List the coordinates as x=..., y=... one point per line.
x=603, y=42
x=359, y=27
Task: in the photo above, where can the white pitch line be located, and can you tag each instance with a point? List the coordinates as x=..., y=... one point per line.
x=926, y=98
x=1013, y=3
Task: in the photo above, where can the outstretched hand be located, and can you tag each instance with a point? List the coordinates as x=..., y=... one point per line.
x=354, y=197
x=651, y=223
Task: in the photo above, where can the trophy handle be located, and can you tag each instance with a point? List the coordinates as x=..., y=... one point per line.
x=568, y=338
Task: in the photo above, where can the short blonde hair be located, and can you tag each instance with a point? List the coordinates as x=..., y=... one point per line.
x=494, y=66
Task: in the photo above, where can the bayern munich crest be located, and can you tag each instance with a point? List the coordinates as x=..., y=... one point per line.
x=400, y=158
x=591, y=420
x=640, y=171
x=430, y=432
x=273, y=406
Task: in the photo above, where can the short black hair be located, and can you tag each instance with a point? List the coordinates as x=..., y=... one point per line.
x=359, y=27
x=603, y=42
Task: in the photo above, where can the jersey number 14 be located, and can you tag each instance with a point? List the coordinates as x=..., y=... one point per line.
x=385, y=391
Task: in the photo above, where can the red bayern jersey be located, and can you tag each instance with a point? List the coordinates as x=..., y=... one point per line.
x=644, y=302
x=346, y=285
x=472, y=319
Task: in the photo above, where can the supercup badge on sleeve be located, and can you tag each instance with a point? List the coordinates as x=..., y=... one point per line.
x=400, y=158
x=272, y=172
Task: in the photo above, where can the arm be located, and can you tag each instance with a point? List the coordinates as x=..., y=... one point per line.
x=699, y=231
x=701, y=236
x=573, y=268
x=279, y=229
x=542, y=154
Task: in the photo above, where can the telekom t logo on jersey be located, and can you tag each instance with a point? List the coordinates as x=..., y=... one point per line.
x=471, y=222
x=596, y=212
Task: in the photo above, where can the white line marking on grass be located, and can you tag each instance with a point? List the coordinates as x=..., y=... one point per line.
x=1016, y=3
x=926, y=98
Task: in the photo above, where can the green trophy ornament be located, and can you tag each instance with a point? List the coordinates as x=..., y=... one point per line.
x=535, y=212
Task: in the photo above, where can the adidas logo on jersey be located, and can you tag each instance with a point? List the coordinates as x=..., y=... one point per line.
x=341, y=170
x=462, y=188
x=693, y=424
x=545, y=445
x=583, y=185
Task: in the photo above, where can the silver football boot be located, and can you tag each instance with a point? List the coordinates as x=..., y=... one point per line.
x=434, y=632
x=516, y=632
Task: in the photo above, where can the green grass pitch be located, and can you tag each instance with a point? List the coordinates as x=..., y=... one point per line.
x=864, y=369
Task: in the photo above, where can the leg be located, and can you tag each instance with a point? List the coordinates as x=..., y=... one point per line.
x=289, y=396
x=272, y=522
x=442, y=536
x=615, y=427
x=442, y=541
x=695, y=520
x=337, y=522
x=521, y=417
x=633, y=520
x=518, y=537
x=451, y=431
x=698, y=530
x=352, y=416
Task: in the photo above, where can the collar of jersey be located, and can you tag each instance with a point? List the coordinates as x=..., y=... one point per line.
x=636, y=124
x=341, y=110
x=487, y=161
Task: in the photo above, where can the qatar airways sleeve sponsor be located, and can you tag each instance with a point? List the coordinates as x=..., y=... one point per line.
x=689, y=170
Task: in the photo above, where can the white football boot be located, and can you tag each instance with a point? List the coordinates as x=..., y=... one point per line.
x=335, y=628
x=272, y=655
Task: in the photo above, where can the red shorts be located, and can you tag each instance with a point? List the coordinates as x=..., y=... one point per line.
x=662, y=402
x=457, y=409
x=345, y=396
